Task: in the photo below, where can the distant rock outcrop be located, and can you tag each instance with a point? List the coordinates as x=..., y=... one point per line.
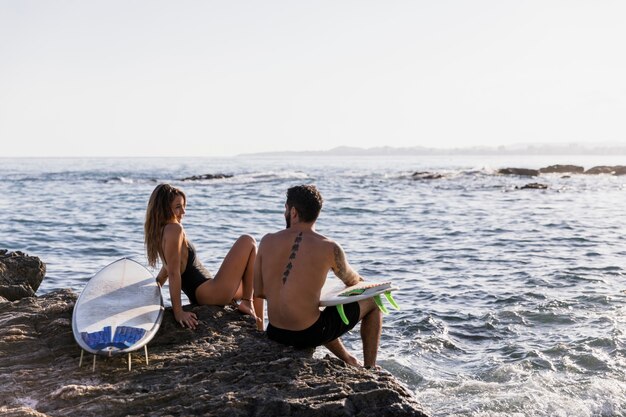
x=611, y=170
x=532, y=186
x=223, y=368
x=426, y=176
x=207, y=177
x=565, y=169
x=525, y=172
x=562, y=169
x=20, y=275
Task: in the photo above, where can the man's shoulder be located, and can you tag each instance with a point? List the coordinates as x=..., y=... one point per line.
x=325, y=240
x=270, y=236
x=268, y=239
x=278, y=236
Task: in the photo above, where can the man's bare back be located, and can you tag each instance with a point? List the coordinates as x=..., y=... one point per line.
x=290, y=271
x=294, y=274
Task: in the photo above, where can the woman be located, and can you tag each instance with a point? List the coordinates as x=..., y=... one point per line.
x=165, y=240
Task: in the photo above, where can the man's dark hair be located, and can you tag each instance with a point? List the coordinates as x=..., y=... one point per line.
x=307, y=201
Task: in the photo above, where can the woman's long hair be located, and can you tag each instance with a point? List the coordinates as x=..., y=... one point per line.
x=158, y=214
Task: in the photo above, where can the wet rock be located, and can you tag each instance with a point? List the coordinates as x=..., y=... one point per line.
x=223, y=368
x=20, y=275
x=207, y=177
x=519, y=171
x=562, y=169
x=426, y=176
x=603, y=169
x=532, y=186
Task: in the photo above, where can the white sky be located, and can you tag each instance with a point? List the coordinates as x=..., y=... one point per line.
x=212, y=78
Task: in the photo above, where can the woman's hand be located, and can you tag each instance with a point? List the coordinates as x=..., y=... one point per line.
x=186, y=319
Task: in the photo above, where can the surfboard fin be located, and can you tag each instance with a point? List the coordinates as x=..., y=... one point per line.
x=342, y=314
x=391, y=300
x=380, y=304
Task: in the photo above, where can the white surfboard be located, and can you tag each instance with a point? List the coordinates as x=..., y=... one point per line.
x=333, y=296
x=119, y=310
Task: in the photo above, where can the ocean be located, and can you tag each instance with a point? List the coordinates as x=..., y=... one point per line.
x=513, y=300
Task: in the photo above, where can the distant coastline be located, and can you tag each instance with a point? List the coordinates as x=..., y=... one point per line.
x=521, y=149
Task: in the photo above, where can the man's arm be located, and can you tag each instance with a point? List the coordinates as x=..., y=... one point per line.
x=342, y=268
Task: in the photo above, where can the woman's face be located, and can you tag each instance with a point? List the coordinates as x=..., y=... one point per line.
x=178, y=208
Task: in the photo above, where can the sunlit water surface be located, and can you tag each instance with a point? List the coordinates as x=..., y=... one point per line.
x=513, y=301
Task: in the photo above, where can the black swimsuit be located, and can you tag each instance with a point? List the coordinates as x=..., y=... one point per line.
x=195, y=274
x=327, y=328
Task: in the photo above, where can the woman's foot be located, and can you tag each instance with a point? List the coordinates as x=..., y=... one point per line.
x=246, y=307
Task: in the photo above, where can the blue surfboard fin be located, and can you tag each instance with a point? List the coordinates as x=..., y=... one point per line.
x=126, y=336
x=98, y=340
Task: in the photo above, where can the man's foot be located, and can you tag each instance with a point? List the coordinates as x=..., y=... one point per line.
x=338, y=349
x=352, y=361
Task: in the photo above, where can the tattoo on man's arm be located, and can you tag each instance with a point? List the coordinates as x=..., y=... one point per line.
x=340, y=262
x=342, y=270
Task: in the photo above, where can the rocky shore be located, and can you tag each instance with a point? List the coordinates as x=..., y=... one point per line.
x=565, y=169
x=207, y=177
x=223, y=368
x=20, y=275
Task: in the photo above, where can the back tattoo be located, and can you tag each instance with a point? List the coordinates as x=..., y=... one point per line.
x=294, y=250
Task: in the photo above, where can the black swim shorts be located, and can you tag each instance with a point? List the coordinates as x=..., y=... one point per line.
x=327, y=328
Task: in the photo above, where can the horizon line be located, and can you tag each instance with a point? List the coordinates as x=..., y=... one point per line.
x=522, y=149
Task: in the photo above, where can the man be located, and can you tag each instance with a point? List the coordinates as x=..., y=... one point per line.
x=289, y=272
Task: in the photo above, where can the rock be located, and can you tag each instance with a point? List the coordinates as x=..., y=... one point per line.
x=532, y=186
x=562, y=169
x=426, y=176
x=519, y=171
x=612, y=170
x=599, y=170
x=223, y=368
x=20, y=275
x=207, y=177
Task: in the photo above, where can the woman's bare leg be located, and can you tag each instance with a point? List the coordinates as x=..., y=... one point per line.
x=244, y=293
x=234, y=279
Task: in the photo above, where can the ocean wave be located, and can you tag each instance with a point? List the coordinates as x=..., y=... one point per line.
x=502, y=308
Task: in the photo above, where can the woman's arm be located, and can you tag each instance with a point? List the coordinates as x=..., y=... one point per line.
x=173, y=240
x=162, y=276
